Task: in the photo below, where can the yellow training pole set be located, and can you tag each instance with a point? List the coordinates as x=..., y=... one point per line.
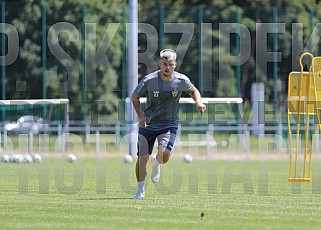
x=304, y=100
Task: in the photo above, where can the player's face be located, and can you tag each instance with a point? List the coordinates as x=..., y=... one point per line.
x=167, y=67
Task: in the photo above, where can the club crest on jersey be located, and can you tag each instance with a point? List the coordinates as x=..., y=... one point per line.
x=174, y=93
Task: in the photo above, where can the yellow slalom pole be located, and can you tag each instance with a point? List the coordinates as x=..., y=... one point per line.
x=302, y=109
x=291, y=145
x=307, y=125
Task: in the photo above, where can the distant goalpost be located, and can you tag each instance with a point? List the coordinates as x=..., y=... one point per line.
x=40, y=102
x=25, y=106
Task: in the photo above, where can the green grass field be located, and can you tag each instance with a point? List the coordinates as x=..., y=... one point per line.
x=96, y=194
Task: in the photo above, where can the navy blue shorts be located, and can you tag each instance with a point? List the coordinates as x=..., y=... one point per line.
x=146, y=139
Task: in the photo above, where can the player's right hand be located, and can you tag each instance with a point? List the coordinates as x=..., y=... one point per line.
x=144, y=121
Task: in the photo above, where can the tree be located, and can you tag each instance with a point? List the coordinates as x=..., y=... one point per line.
x=65, y=52
x=24, y=77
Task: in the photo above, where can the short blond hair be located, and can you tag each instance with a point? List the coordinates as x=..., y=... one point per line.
x=168, y=54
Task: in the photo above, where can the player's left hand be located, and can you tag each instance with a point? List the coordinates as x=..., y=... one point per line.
x=200, y=108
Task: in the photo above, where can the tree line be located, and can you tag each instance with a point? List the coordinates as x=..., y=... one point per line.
x=106, y=55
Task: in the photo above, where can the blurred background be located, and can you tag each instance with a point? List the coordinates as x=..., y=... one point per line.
x=97, y=89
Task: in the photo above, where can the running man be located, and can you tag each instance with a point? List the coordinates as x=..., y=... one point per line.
x=159, y=120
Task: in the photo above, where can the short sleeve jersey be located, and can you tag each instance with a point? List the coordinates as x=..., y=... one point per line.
x=163, y=98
